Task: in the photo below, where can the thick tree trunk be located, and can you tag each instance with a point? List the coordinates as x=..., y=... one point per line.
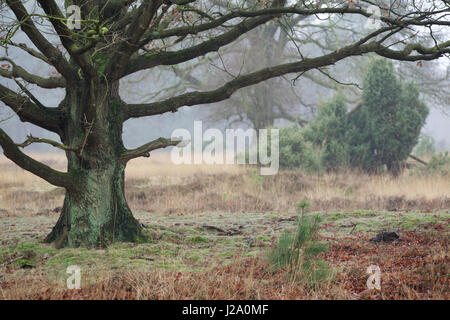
x=97, y=213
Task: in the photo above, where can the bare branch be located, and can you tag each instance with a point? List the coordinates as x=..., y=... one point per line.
x=30, y=140
x=224, y=92
x=30, y=51
x=169, y=58
x=47, y=118
x=257, y=18
x=144, y=151
x=19, y=72
x=50, y=175
x=53, y=55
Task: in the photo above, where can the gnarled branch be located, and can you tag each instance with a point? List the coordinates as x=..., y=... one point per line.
x=47, y=118
x=134, y=33
x=43, y=171
x=65, y=35
x=144, y=151
x=30, y=140
x=224, y=92
x=19, y=72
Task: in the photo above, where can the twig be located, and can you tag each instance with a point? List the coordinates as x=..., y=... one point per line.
x=11, y=261
x=31, y=139
x=230, y=232
x=418, y=159
x=214, y=228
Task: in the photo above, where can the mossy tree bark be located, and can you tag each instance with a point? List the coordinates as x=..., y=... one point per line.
x=97, y=214
x=95, y=211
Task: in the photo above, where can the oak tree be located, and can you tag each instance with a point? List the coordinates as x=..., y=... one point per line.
x=118, y=38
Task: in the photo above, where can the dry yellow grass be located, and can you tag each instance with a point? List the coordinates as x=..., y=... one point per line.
x=408, y=186
x=157, y=185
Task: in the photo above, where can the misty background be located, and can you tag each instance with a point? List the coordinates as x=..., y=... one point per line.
x=294, y=100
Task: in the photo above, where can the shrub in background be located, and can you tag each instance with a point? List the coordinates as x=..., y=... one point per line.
x=328, y=130
x=297, y=152
x=385, y=129
x=381, y=132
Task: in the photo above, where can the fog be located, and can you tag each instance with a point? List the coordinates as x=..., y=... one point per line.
x=299, y=100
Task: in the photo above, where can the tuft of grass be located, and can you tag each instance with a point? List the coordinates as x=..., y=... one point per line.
x=198, y=239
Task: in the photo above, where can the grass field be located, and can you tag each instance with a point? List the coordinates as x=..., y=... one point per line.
x=212, y=226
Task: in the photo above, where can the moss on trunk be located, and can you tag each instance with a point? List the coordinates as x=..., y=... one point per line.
x=96, y=214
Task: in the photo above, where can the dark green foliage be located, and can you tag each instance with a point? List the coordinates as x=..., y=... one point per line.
x=297, y=251
x=296, y=152
x=381, y=132
x=328, y=130
x=358, y=137
x=385, y=129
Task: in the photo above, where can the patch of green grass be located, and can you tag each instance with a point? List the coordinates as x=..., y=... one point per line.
x=366, y=213
x=365, y=221
x=253, y=253
x=168, y=253
x=169, y=265
x=194, y=258
x=26, y=246
x=197, y=239
x=22, y=262
x=336, y=216
x=408, y=225
x=227, y=254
